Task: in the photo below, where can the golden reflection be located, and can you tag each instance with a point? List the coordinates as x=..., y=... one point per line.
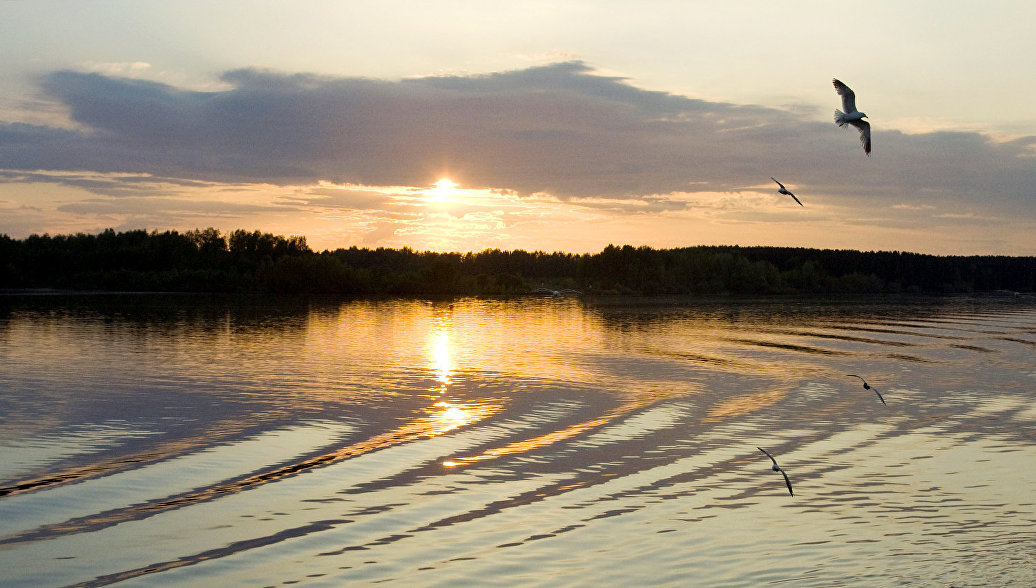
x=431, y=425
x=527, y=445
x=441, y=355
x=451, y=416
x=745, y=404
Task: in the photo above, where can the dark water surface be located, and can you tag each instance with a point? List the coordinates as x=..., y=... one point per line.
x=157, y=440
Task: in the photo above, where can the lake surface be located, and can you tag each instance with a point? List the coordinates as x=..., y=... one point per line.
x=189, y=441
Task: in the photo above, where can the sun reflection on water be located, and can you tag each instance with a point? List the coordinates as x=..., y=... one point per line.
x=451, y=416
x=440, y=361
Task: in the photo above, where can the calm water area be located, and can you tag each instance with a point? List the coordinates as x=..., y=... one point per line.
x=153, y=440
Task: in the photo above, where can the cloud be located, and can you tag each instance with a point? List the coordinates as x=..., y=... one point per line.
x=560, y=129
x=384, y=231
x=117, y=68
x=161, y=207
x=106, y=184
x=343, y=198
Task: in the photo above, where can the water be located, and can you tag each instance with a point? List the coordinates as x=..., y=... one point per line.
x=150, y=440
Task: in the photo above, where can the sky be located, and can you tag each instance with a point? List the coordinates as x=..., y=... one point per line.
x=557, y=126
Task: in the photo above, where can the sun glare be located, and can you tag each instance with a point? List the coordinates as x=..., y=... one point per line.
x=443, y=191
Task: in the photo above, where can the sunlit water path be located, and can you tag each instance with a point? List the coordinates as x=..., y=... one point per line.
x=162, y=440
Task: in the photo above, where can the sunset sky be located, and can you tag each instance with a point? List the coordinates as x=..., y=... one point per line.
x=562, y=125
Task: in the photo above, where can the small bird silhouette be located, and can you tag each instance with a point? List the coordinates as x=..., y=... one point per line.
x=851, y=116
x=784, y=190
x=777, y=468
x=867, y=386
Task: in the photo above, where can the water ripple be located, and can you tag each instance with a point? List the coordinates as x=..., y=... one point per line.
x=450, y=443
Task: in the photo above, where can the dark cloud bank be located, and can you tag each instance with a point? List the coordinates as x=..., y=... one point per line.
x=560, y=129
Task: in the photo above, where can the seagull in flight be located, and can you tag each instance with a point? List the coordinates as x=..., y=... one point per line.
x=851, y=116
x=867, y=386
x=777, y=468
x=784, y=190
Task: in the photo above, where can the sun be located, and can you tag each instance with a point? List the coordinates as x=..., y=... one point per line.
x=445, y=184
x=443, y=190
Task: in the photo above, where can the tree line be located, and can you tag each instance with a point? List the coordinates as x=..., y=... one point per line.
x=254, y=261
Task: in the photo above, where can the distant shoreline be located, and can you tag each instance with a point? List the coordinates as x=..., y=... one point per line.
x=243, y=262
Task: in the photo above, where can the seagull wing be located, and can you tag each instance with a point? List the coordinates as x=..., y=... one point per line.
x=879, y=396
x=855, y=376
x=768, y=455
x=848, y=96
x=778, y=183
x=793, y=197
x=865, y=134
x=788, y=482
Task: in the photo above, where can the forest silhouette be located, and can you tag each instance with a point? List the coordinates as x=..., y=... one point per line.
x=257, y=262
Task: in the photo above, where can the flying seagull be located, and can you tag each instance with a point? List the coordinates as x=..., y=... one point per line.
x=784, y=190
x=867, y=386
x=777, y=468
x=851, y=116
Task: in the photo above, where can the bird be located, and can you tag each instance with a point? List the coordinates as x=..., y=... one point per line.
x=777, y=468
x=867, y=386
x=555, y=292
x=851, y=116
x=784, y=190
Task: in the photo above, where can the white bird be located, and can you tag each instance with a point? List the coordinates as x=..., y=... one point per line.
x=777, y=468
x=555, y=292
x=851, y=116
x=867, y=386
x=784, y=190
